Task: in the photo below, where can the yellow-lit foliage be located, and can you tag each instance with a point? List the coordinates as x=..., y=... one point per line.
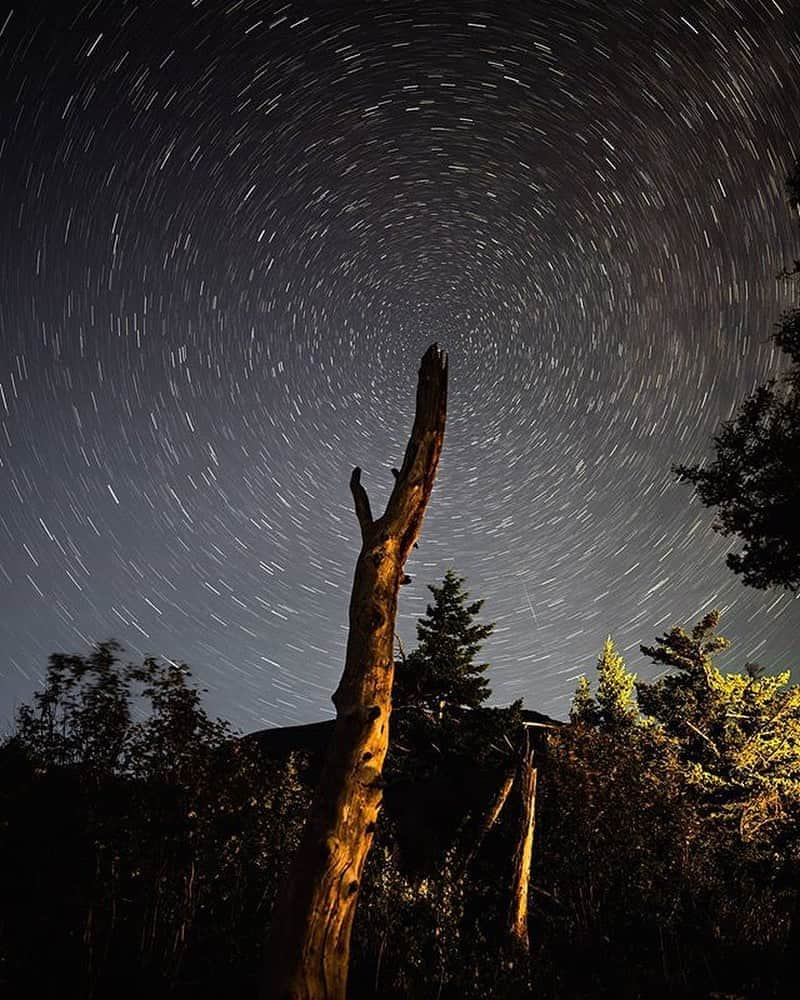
x=737, y=733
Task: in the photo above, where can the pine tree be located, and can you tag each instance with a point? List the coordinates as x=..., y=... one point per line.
x=614, y=706
x=583, y=710
x=615, y=688
x=738, y=733
x=441, y=676
x=682, y=701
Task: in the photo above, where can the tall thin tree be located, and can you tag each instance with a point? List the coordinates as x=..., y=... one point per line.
x=310, y=947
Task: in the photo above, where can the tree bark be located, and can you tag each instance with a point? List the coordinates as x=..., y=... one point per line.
x=313, y=917
x=520, y=880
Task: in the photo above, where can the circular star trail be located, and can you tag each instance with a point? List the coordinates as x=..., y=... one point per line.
x=229, y=233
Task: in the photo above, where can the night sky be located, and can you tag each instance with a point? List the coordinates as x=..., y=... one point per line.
x=229, y=231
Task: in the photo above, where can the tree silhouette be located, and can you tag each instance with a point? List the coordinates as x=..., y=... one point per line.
x=84, y=716
x=441, y=675
x=754, y=478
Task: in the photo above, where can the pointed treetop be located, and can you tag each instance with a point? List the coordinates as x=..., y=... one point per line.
x=615, y=688
x=441, y=674
x=583, y=710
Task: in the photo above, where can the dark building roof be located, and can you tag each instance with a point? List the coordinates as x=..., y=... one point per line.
x=313, y=737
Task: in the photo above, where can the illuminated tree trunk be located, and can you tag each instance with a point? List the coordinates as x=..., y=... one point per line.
x=310, y=945
x=520, y=880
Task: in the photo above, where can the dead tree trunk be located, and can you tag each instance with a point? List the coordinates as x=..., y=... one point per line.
x=489, y=818
x=520, y=879
x=310, y=947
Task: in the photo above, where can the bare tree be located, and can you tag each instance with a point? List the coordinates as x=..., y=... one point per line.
x=521, y=873
x=310, y=946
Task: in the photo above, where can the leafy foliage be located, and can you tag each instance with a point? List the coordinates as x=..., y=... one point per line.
x=84, y=716
x=171, y=838
x=613, y=864
x=672, y=839
x=666, y=852
x=754, y=478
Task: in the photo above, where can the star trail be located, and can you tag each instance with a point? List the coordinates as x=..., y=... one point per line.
x=229, y=233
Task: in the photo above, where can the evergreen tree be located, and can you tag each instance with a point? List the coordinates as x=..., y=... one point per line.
x=583, y=710
x=615, y=688
x=441, y=676
x=682, y=700
x=614, y=706
x=738, y=734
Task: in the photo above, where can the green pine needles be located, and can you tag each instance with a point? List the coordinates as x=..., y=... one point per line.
x=441, y=676
x=615, y=705
x=735, y=737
